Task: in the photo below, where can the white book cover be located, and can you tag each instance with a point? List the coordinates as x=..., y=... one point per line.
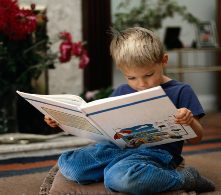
x=65, y=110
x=144, y=117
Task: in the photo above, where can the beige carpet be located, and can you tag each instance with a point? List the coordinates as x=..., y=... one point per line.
x=209, y=165
x=22, y=185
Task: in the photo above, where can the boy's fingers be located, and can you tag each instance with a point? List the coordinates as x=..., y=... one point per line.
x=184, y=116
x=47, y=120
x=46, y=117
x=53, y=125
x=186, y=121
x=51, y=122
x=183, y=113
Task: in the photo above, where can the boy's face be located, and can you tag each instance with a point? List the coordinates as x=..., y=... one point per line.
x=140, y=78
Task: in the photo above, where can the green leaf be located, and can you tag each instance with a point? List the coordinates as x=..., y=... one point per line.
x=149, y=14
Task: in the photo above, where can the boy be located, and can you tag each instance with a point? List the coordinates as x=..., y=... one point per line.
x=140, y=56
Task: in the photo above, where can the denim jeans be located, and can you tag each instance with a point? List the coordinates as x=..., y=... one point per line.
x=138, y=171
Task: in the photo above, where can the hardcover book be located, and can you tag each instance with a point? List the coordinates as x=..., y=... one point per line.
x=144, y=117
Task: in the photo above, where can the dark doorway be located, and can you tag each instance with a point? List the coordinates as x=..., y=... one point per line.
x=96, y=23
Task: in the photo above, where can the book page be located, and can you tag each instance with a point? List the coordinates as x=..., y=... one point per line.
x=141, y=118
x=69, y=117
x=66, y=98
x=71, y=120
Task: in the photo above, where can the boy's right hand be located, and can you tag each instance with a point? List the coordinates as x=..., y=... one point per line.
x=50, y=122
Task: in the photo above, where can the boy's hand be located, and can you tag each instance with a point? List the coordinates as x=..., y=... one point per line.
x=50, y=122
x=184, y=116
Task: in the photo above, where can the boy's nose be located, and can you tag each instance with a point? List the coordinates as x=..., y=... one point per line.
x=142, y=83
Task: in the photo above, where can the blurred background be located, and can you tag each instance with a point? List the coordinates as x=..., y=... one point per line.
x=189, y=30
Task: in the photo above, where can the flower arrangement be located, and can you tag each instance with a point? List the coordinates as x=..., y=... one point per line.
x=25, y=52
x=25, y=48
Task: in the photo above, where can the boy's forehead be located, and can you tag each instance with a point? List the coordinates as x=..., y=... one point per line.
x=137, y=69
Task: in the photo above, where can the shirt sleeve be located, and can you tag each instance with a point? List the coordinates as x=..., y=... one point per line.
x=115, y=93
x=189, y=100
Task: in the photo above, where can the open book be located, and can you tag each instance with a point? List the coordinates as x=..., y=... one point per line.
x=144, y=117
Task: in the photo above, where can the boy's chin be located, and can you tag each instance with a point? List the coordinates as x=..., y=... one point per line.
x=144, y=88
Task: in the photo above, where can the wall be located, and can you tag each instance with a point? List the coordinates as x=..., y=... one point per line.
x=63, y=16
x=203, y=9
x=205, y=84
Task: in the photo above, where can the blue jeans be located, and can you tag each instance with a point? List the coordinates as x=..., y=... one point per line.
x=138, y=171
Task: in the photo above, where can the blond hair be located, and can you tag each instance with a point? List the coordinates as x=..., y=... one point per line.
x=136, y=47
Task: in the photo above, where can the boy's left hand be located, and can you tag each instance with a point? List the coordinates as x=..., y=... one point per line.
x=184, y=116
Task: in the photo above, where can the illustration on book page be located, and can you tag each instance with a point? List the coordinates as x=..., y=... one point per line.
x=151, y=133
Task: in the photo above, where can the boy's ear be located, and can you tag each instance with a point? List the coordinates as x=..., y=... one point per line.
x=165, y=59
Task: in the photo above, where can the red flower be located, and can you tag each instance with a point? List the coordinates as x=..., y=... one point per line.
x=65, y=51
x=7, y=7
x=77, y=49
x=68, y=48
x=16, y=23
x=84, y=60
x=66, y=36
x=22, y=24
x=2, y=21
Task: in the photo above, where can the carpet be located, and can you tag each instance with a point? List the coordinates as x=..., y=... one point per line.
x=25, y=178
x=29, y=165
x=24, y=175
x=210, y=143
x=37, y=164
x=22, y=185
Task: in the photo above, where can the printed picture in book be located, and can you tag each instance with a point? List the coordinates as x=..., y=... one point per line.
x=149, y=133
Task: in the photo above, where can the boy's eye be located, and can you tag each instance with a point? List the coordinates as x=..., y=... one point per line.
x=148, y=75
x=130, y=78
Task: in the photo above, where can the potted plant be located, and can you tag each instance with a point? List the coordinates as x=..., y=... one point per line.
x=25, y=53
x=149, y=14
